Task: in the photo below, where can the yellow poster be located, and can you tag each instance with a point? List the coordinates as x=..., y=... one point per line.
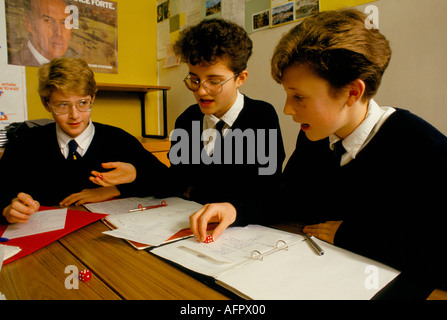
x=339, y=4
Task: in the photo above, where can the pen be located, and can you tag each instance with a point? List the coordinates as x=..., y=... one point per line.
x=3, y=239
x=314, y=245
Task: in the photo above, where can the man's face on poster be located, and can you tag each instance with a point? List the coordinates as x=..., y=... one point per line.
x=46, y=23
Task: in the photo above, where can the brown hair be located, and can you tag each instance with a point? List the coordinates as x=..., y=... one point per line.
x=214, y=39
x=70, y=75
x=338, y=47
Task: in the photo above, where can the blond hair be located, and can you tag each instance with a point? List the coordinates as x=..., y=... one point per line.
x=69, y=75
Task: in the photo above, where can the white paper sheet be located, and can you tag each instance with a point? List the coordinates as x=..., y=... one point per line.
x=154, y=226
x=7, y=252
x=39, y=222
x=301, y=274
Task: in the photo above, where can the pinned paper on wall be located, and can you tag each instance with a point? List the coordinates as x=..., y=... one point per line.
x=13, y=107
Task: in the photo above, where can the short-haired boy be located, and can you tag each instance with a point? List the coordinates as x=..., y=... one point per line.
x=217, y=52
x=52, y=164
x=363, y=177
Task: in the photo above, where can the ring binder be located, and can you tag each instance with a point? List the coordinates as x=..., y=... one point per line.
x=280, y=245
x=142, y=208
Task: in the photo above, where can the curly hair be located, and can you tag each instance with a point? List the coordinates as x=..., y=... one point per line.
x=70, y=75
x=338, y=47
x=214, y=39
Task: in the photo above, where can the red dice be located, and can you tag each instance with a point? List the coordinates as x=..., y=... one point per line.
x=209, y=239
x=85, y=275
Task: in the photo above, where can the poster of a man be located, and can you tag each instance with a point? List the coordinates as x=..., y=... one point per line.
x=41, y=30
x=48, y=36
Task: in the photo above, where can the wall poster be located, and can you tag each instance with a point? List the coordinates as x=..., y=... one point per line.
x=41, y=30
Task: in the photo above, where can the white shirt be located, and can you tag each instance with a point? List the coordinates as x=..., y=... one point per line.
x=210, y=121
x=40, y=58
x=83, y=140
x=360, y=137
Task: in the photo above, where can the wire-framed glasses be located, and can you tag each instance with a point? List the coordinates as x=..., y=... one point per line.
x=64, y=107
x=213, y=87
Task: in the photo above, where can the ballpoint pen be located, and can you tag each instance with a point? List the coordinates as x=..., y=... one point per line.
x=314, y=245
x=3, y=239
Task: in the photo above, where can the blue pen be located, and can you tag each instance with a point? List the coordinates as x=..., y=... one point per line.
x=3, y=239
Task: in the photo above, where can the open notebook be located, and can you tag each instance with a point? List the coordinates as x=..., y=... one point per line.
x=257, y=262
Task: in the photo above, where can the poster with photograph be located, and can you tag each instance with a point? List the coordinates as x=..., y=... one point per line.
x=283, y=13
x=304, y=8
x=41, y=30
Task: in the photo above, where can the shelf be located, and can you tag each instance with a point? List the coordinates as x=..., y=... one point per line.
x=141, y=90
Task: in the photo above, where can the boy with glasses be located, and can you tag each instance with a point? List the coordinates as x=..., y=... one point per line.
x=217, y=52
x=52, y=165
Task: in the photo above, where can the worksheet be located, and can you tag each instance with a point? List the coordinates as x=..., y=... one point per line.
x=39, y=222
x=153, y=226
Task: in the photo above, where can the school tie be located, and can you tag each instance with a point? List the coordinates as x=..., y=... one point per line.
x=72, y=153
x=219, y=127
x=339, y=151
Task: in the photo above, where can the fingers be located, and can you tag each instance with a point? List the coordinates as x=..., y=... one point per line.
x=76, y=199
x=28, y=201
x=317, y=231
x=324, y=231
x=98, y=179
x=91, y=195
x=120, y=173
x=110, y=165
x=195, y=222
x=21, y=209
x=224, y=213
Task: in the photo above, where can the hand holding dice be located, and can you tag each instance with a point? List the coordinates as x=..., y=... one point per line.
x=85, y=275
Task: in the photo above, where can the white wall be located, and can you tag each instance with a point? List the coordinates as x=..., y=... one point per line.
x=416, y=78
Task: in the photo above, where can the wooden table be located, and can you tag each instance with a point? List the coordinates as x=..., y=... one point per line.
x=118, y=272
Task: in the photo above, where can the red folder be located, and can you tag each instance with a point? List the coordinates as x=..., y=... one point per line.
x=74, y=221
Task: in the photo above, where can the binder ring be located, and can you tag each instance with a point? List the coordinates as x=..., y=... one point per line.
x=280, y=245
x=256, y=255
x=284, y=246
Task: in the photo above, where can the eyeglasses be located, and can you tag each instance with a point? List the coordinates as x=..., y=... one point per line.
x=213, y=87
x=64, y=107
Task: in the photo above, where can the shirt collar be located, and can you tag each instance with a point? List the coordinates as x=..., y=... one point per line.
x=40, y=58
x=357, y=139
x=229, y=117
x=83, y=140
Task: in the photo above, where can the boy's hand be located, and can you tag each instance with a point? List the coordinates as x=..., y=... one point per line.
x=122, y=173
x=323, y=231
x=223, y=213
x=21, y=208
x=91, y=195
